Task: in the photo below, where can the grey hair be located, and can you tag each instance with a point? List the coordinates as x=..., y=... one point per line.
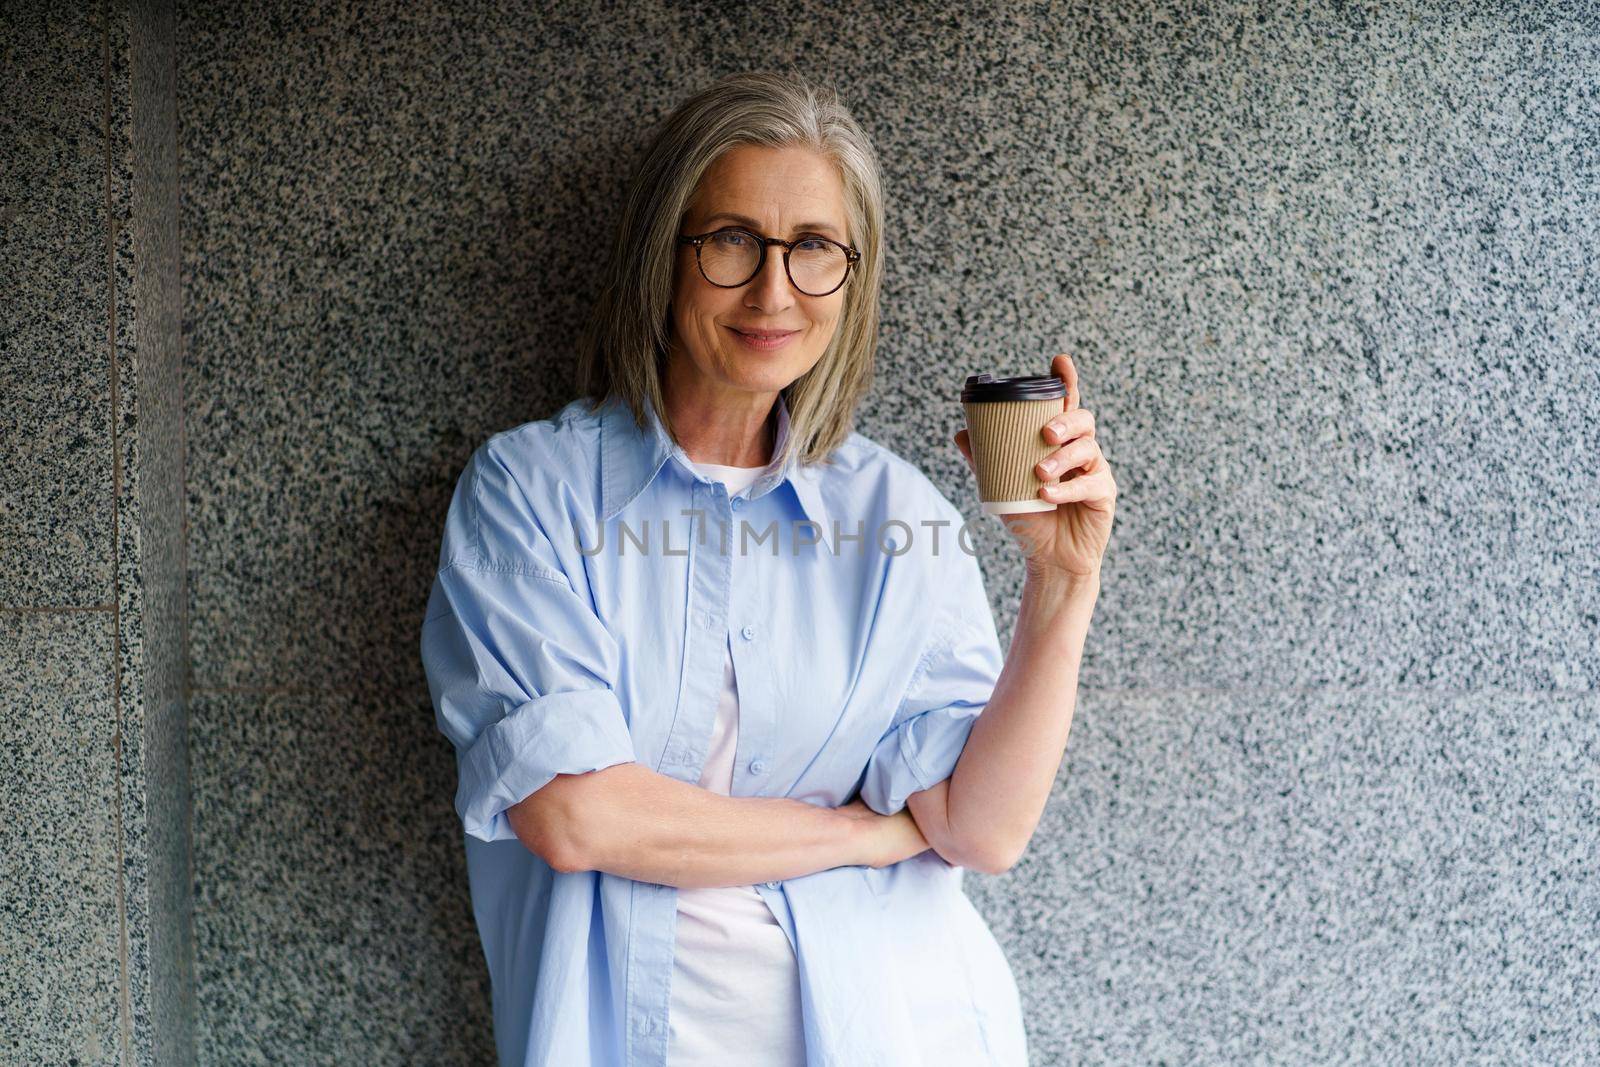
x=624, y=349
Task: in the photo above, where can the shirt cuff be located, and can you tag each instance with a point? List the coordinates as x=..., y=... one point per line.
x=918, y=754
x=568, y=732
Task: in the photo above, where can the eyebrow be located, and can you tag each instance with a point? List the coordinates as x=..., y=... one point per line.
x=826, y=229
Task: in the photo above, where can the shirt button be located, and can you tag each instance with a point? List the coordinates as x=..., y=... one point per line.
x=748, y=633
x=758, y=766
x=770, y=885
x=738, y=502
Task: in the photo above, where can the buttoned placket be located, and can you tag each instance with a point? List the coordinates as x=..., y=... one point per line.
x=723, y=616
x=714, y=600
x=742, y=597
x=683, y=757
x=752, y=666
x=758, y=724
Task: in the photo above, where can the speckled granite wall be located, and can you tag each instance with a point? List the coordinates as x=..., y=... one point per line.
x=96, y=951
x=1329, y=273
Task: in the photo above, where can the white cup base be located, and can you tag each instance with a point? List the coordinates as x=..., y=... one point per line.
x=1009, y=507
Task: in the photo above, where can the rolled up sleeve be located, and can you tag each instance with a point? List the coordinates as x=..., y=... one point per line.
x=949, y=688
x=520, y=669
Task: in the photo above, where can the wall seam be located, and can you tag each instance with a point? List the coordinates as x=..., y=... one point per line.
x=124, y=995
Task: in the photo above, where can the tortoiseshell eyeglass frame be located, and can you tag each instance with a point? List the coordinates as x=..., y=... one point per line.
x=852, y=257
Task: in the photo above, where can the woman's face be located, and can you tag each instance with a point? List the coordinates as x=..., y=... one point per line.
x=776, y=192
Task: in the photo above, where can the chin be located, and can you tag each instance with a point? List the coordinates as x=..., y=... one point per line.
x=754, y=372
x=768, y=380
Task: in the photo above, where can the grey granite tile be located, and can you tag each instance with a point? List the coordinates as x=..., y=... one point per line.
x=1485, y=147
x=341, y=462
x=332, y=917
x=56, y=515
x=59, y=925
x=1294, y=877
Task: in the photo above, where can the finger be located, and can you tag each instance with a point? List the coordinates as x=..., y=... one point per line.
x=1080, y=453
x=1063, y=367
x=1091, y=487
x=1069, y=424
x=963, y=444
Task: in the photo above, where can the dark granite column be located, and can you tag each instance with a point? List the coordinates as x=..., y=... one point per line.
x=96, y=951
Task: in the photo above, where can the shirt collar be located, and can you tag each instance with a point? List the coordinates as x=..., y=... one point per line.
x=631, y=457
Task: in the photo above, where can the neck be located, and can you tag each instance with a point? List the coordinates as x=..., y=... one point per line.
x=722, y=425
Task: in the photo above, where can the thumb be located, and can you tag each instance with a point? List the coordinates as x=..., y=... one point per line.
x=966, y=447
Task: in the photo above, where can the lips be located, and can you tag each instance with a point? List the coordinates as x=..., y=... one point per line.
x=763, y=335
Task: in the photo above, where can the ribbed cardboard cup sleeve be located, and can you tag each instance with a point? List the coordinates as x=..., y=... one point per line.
x=1006, y=443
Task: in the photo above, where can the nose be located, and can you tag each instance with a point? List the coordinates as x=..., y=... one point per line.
x=770, y=289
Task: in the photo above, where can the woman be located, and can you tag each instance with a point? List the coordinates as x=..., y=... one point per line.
x=713, y=663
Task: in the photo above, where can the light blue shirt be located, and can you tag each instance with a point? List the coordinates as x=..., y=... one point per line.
x=590, y=582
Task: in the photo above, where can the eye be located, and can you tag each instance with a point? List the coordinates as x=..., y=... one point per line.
x=812, y=244
x=730, y=238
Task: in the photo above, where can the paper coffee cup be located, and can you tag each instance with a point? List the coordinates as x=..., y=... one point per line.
x=1004, y=417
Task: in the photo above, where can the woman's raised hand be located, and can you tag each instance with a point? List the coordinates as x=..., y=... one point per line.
x=1070, y=541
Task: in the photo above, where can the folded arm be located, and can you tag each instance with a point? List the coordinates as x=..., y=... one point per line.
x=631, y=821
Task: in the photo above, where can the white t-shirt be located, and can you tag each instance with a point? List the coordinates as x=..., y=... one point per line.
x=735, y=981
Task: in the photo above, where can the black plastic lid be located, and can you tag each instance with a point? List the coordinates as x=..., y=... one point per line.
x=981, y=388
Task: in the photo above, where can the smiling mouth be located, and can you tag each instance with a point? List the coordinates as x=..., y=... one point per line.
x=763, y=335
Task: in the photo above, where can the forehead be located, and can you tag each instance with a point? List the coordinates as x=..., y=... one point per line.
x=779, y=187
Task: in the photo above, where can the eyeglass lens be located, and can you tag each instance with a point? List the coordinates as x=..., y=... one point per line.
x=730, y=257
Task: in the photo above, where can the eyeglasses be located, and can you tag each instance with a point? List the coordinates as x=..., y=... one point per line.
x=730, y=257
